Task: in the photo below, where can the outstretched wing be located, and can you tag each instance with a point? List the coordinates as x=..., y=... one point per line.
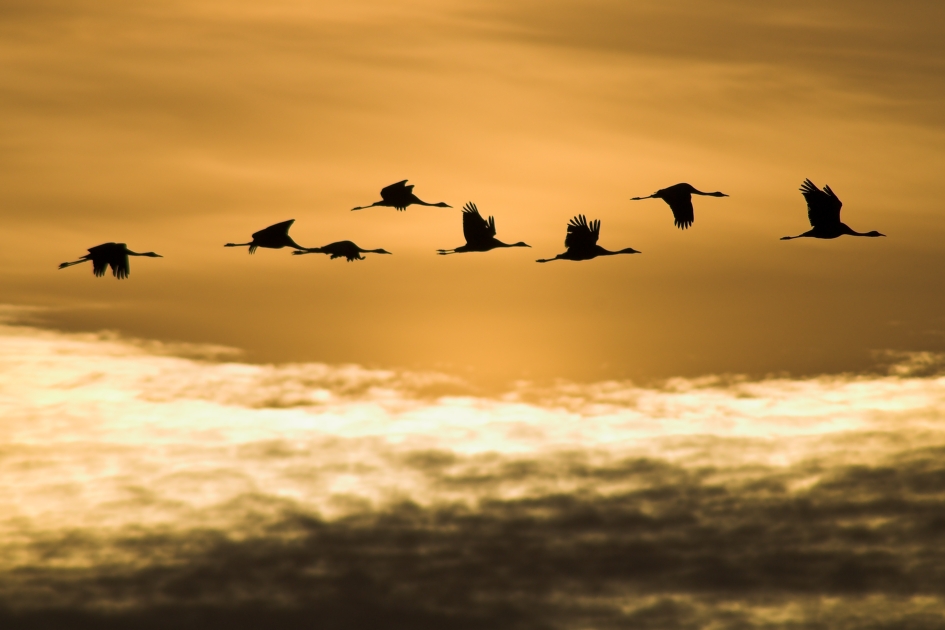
x=681, y=205
x=119, y=265
x=823, y=206
x=396, y=191
x=475, y=228
x=102, y=256
x=277, y=230
x=581, y=234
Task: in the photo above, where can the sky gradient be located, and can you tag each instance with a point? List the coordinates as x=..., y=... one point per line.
x=724, y=431
x=179, y=127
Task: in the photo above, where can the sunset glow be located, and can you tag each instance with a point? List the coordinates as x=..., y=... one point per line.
x=725, y=430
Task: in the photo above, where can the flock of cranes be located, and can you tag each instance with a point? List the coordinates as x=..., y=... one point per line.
x=823, y=211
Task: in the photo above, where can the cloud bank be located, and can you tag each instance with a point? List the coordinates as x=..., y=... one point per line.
x=147, y=490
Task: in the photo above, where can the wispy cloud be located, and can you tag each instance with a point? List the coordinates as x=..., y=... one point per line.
x=163, y=487
x=892, y=58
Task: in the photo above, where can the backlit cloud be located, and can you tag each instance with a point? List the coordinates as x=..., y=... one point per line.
x=160, y=487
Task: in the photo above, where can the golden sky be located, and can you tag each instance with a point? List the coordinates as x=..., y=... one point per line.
x=725, y=431
x=177, y=127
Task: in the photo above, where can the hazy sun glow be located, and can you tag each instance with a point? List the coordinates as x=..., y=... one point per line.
x=105, y=439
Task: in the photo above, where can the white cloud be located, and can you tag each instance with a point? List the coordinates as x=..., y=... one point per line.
x=105, y=442
x=102, y=431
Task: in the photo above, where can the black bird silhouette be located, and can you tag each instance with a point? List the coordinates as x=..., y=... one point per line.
x=273, y=237
x=345, y=249
x=823, y=211
x=399, y=196
x=479, y=233
x=114, y=255
x=679, y=198
x=581, y=242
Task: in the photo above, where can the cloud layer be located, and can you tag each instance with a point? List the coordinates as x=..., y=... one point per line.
x=179, y=126
x=146, y=489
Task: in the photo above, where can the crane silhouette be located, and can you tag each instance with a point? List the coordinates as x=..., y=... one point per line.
x=273, y=237
x=679, y=199
x=479, y=233
x=341, y=249
x=114, y=255
x=823, y=211
x=581, y=242
x=399, y=196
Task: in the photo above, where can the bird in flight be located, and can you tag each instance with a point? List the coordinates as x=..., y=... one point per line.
x=581, y=242
x=679, y=199
x=341, y=249
x=823, y=211
x=399, y=196
x=479, y=233
x=273, y=237
x=114, y=255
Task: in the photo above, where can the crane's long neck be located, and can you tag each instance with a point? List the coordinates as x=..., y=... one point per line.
x=708, y=194
x=373, y=251
x=421, y=202
x=606, y=252
x=848, y=230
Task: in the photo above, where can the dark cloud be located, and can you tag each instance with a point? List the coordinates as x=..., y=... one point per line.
x=679, y=549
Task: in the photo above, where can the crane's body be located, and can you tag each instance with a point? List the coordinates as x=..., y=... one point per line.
x=581, y=242
x=479, y=234
x=114, y=255
x=679, y=199
x=273, y=237
x=399, y=196
x=342, y=249
x=823, y=212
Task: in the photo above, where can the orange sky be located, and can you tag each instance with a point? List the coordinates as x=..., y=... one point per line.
x=177, y=127
x=724, y=431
